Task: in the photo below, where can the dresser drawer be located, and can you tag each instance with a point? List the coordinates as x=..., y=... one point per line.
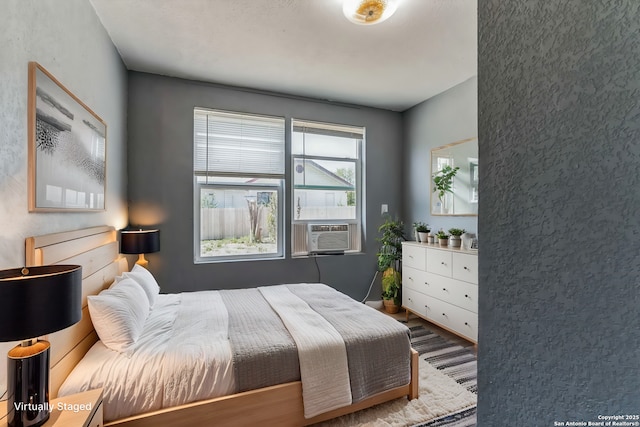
x=456, y=292
x=416, y=280
x=439, y=262
x=457, y=319
x=438, y=311
x=414, y=257
x=466, y=324
x=465, y=267
x=414, y=301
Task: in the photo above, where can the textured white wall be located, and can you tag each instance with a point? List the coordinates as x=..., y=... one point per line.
x=67, y=39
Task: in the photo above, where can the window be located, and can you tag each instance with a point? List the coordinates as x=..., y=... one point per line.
x=327, y=182
x=238, y=184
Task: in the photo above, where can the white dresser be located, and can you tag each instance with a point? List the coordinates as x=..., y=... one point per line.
x=440, y=284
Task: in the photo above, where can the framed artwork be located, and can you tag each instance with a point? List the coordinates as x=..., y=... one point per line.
x=67, y=148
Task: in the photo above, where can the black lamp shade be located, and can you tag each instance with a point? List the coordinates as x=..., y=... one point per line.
x=139, y=241
x=36, y=301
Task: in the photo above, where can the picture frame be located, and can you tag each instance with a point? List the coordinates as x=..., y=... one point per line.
x=67, y=148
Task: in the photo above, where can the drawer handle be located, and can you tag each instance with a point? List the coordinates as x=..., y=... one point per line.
x=465, y=268
x=427, y=283
x=444, y=314
x=411, y=256
x=411, y=278
x=444, y=289
x=466, y=324
x=466, y=296
x=443, y=263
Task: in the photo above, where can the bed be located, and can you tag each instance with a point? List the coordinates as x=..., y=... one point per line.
x=96, y=249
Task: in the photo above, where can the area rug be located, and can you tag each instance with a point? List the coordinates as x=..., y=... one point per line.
x=457, y=362
x=447, y=390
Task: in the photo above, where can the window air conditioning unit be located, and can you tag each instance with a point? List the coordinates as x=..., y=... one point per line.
x=328, y=238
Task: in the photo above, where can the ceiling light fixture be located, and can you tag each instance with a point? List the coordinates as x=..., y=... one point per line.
x=368, y=12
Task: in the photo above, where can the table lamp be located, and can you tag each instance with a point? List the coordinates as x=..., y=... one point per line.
x=139, y=242
x=35, y=301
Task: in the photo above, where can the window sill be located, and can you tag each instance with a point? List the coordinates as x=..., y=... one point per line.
x=322, y=255
x=218, y=260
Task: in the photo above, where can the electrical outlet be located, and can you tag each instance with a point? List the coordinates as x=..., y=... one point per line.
x=384, y=209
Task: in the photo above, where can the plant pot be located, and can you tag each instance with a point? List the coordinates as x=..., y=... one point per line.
x=430, y=239
x=443, y=242
x=390, y=306
x=455, y=241
x=423, y=236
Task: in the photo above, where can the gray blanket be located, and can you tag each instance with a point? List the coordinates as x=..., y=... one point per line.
x=264, y=353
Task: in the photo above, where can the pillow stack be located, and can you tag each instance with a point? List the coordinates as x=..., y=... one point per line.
x=145, y=279
x=118, y=313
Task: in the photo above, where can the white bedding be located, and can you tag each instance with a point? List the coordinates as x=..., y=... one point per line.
x=202, y=345
x=173, y=362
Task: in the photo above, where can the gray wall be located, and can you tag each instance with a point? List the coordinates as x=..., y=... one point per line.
x=69, y=41
x=559, y=131
x=161, y=182
x=448, y=117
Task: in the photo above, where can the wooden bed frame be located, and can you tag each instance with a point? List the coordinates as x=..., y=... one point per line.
x=96, y=250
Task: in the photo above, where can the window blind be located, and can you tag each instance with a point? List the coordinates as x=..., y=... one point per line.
x=227, y=143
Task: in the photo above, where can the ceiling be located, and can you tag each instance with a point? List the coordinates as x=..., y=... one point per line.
x=300, y=47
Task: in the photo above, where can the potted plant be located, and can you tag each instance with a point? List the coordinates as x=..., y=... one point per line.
x=455, y=240
x=443, y=184
x=442, y=237
x=389, y=256
x=391, y=283
x=422, y=230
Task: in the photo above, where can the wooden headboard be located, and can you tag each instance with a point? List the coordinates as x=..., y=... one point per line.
x=96, y=250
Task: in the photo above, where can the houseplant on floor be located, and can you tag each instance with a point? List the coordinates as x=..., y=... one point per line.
x=455, y=240
x=389, y=256
x=443, y=184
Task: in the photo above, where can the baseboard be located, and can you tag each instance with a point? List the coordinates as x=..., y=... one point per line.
x=375, y=304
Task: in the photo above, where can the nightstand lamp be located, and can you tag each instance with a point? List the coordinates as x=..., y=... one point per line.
x=139, y=242
x=35, y=301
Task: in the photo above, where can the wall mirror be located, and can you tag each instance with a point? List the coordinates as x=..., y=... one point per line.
x=459, y=195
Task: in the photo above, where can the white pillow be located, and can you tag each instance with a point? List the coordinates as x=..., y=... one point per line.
x=118, y=314
x=145, y=279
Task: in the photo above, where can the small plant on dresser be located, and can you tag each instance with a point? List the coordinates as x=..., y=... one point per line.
x=442, y=237
x=455, y=239
x=422, y=229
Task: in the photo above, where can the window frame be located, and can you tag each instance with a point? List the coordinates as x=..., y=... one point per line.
x=278, y=186
x=279, y=254
x=359, y=188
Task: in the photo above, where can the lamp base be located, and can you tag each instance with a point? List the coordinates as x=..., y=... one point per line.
x=28, y=385
x=142, y=261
